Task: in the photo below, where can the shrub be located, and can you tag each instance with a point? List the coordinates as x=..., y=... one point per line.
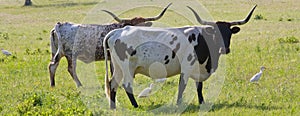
x=37, y=51
x=291, y=39
x=41, y=103
x=259, y=17
x=1, y=108
x=28, y=102
x=289, y=19
x=39, y=38
x=4, y=36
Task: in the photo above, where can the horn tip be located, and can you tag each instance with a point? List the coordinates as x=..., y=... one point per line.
x=104, y=10
x=255, y=6
x=189, y=7
x=169, y=5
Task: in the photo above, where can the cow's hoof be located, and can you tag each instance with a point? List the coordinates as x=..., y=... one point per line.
x=202, y=102
x=79, y=85
x=179, y=102
x=112, y=107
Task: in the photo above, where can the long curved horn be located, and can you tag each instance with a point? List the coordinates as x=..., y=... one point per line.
x=113, y=15
x=245, y=20
x=203, y=22
x=146, y=19
x=160, y=15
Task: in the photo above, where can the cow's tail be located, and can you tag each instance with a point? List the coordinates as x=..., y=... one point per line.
x=107, y=85
x=56, y=31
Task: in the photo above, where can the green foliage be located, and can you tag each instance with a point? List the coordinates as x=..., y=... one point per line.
x=290, y=19
x=4, y=36
x=47, y=104
x=39, y=38
x=258, y=49
x=290, y=39
x=259, y=17
x=1, y=108
x=37, y=51
x=29, y=102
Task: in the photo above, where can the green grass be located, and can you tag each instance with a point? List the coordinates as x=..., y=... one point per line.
x=272, y=42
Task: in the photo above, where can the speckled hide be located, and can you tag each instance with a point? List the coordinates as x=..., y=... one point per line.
x=81, y=40
x=191, y=52
x=77, y=41
x=85, y=42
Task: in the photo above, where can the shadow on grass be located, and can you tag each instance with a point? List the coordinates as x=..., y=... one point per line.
x=195, y=108
x=65, y=4
x=171, y=109
x=219, y=106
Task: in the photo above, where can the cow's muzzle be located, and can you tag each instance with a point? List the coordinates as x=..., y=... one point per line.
x=224, y=50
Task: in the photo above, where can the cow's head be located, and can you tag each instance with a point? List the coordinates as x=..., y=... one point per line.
x=223, y=30
x=140, y=21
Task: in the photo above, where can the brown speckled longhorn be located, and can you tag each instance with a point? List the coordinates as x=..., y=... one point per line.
x=85, y=42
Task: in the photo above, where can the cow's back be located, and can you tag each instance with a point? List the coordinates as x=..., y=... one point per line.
x=149, y=49
x=85, y=41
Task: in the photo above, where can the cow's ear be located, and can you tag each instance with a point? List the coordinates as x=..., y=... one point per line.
x=209, y=30
x=146, y=24
x=235, y=30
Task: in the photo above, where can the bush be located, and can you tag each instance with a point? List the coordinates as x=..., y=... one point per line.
x=1, y=108
x=29, y=101
x=289, y=19
x=4, y=35
x=40, y=103
x=259, y=17
x=291, y=39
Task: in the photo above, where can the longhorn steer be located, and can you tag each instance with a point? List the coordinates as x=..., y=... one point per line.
x=84, y=42
x=163, y=52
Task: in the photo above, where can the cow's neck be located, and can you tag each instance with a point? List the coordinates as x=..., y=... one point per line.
x=207, y=52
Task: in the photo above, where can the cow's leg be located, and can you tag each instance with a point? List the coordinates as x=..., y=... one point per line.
x=128, y=82
x=72, y=70
x=182, y=85
x=130, y=95
x=114, y=84
x=199, y=86
x=113, y=91
x=52, y=68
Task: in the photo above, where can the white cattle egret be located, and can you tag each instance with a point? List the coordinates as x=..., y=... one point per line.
x=160, y=80
x=257, y=75
x=146, y=92
x=5, y=52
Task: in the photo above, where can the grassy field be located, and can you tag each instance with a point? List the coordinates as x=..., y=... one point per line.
x=270, y=39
